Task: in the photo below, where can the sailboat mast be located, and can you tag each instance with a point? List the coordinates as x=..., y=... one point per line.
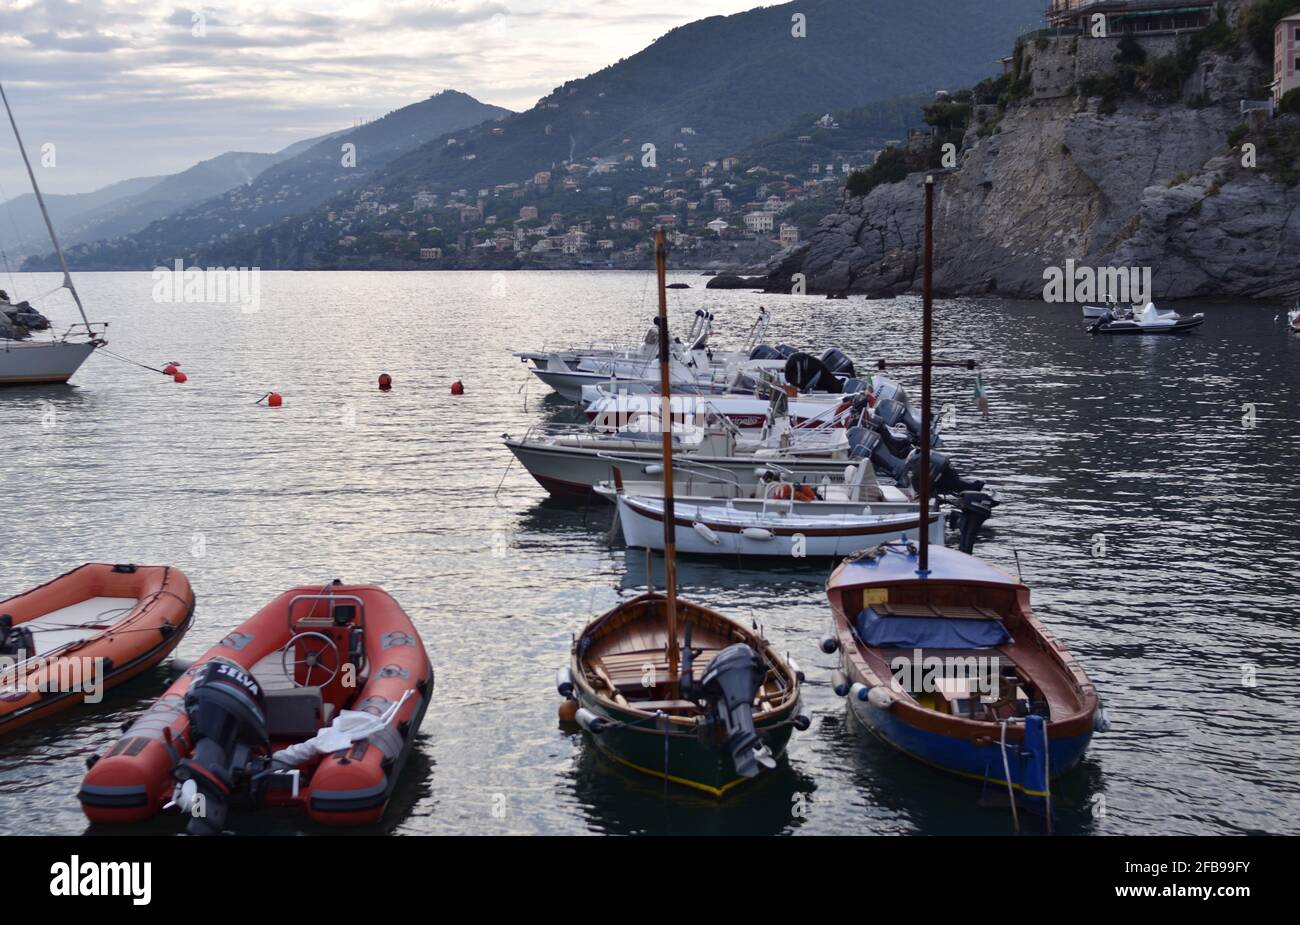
x=666, y=429
x=927, y=310
x=40, y=201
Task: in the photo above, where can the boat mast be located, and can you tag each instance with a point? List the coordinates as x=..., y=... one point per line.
x=927, y=299
x=666, y=429
x=40, y=201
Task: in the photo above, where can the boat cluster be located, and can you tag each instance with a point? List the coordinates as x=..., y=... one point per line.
x=767, y=451
x=776, y=452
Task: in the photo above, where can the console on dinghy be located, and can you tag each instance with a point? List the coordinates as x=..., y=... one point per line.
x=86, y=632
x=313, y=703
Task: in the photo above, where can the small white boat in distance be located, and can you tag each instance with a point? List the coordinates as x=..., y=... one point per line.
x=1150, y=320
x=1293, y=319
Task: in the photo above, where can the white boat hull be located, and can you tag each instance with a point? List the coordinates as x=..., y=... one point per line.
x=574, y=471
x=36, y=361
x=725, y=534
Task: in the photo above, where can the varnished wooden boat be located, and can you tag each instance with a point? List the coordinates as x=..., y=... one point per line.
x=1029, y=721
x=620, y=674
x=671, y=688
x=940, y=655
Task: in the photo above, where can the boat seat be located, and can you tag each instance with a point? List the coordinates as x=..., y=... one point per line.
x=925, y=610
x=626, y=670
x=294, y=713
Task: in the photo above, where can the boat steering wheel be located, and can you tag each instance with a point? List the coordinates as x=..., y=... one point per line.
x=325, y=657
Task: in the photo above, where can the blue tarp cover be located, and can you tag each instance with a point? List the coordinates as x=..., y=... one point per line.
x=929, y=632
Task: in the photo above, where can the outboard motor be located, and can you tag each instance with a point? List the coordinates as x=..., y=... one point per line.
x=893, y=412
x=838, y=363
x=865, y=443
x=764, y=352
x=944, y=479
x=15, y=641
x=728, y=686
x=808, y=374
x=786, y=350
x=973, y=508
x=227, y=713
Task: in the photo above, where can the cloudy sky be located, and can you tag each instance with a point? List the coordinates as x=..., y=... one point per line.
x=128, y=88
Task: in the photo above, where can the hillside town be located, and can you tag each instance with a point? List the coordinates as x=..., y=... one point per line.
x=598, y=213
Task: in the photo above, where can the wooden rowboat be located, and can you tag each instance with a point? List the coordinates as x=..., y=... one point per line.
x=619, y=674
x=632, y=680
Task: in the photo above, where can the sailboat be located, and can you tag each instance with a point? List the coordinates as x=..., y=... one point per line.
x=671, y=688
x=942, y=657
x=55, y=359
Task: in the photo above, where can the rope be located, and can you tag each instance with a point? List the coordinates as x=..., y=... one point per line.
x=118, y=356
x=1006, y=772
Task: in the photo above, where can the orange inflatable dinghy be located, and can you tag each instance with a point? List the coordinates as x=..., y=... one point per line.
x=86, y=632
x=313, y=703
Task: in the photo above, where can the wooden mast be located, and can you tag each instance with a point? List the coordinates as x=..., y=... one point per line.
x=666, y=429
x=927, y=300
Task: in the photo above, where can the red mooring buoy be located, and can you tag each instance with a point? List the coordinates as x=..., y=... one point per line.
x=457, y=388
x=180, y=376
x=171, y=369
x=385, y=382
x=274, y=399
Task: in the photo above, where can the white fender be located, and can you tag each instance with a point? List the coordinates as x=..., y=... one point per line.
x=880, y=697
x=706, y=531
x=756, y=533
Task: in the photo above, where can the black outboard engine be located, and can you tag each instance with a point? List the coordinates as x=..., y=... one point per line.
x=808, y=374
x=764, y=352
x=973, y=508
x=867, y=443
x=786, y=350
x=227, y=713
x=944, y=479
x=838, y=363
x=893, y=412
x=728, y=686
x=15, y=641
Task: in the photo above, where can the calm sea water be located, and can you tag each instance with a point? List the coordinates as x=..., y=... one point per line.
x=1187, y=624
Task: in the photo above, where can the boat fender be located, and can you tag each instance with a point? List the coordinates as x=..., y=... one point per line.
x=798, y=672
x=802, y=722
x=706, y=531
x=178, y=666
x=756, y=533
x=590, y=721
x=880, y=697
x=564, y=682
x=859, y=690
x=1100, y=721
x=829, y=644
x=840, y=683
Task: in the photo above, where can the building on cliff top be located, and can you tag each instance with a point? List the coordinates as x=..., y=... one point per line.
x=1133, y=16
x=1286, y=56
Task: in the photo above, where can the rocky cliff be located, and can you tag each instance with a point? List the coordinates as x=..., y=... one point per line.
x=1077, y=165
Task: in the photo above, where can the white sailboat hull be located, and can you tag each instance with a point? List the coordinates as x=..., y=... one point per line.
x=41, y=361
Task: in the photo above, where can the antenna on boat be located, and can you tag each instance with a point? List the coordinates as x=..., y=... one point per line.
x=927, y=303
x=40, y=201
x=666, y=429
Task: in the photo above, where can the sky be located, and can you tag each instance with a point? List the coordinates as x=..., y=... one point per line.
x=130, y=88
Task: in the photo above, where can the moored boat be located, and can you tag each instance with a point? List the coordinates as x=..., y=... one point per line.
x=313, y=703
x=25, y=361
x=1150, y=320
x=87, y=631
x=941, y=656
x=632, y=682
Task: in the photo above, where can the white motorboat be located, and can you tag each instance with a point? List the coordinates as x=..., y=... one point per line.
x=25, y=359
x=780, y=515
x=1150, y=320
x=1092, y=312
x=571, y=460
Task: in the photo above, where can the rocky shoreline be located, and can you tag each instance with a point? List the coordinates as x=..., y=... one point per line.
x=1103, y=182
